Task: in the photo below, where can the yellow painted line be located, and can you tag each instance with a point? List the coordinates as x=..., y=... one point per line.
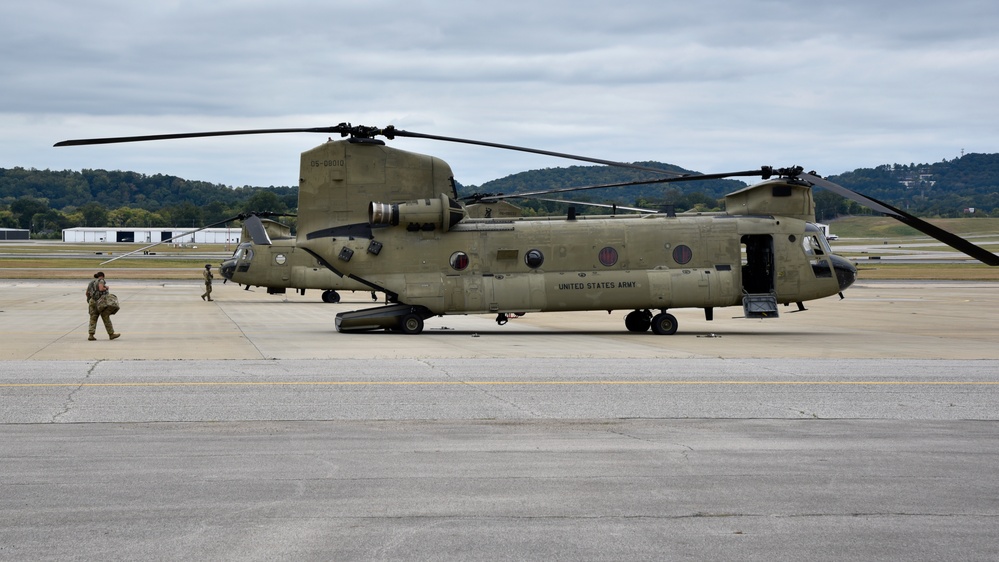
x=505, y=383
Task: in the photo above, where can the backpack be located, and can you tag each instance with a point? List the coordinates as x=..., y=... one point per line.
x=108, y=303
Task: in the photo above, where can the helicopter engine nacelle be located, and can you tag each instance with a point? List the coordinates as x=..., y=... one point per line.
x=424, y=214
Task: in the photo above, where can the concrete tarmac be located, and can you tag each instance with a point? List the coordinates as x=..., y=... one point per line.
x=47, y=320
x=248, y=428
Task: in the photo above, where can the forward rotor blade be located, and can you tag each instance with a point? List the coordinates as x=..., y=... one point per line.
x=600, y=205
x=230, y=219
x=489, y=197
x=257, y=231
x=764, y=172
x=952, y=240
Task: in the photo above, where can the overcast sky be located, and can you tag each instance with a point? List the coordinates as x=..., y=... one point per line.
x=712, y=86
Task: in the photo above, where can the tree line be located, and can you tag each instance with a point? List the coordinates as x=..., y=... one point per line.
x=944, y=189
x=47, y=201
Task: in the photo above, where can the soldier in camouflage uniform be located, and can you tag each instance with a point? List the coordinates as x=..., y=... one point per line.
x=208, y=283
x=95, y=290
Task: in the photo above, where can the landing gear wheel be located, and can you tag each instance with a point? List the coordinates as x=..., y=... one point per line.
x=331, y=296
x=638, y=321
x=411, y=324
x=664, y=324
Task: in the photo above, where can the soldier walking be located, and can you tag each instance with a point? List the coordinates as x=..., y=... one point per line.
x=207, y=295
x=95, y=290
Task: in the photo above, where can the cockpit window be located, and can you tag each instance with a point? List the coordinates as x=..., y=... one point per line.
x=816, y=250
x=815, y=241
x=813, y=245
x=244, y=252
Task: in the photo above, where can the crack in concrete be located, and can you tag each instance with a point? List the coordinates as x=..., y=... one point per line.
x=71, y=397
x=482, y=390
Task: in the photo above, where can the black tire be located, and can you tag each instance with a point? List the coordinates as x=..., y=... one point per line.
x=664, y=324
x=411, y=324
x=638, y=321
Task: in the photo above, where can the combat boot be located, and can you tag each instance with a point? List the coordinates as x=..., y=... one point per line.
x=91, y=338
x=114, y=336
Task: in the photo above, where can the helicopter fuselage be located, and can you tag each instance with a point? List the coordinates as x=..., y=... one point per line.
x=432, y=256
x=280, y=266
x=588, y=263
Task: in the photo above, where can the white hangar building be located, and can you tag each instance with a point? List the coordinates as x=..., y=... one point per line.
x=134, y=235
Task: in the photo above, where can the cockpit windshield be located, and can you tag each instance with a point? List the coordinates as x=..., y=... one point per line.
x=816, y=249
x=812, y=245
x=244, y=252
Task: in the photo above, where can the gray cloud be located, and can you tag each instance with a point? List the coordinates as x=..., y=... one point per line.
x=710, y=86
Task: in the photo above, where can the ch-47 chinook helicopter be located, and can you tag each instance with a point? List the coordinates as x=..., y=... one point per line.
x=268, y=256
x=391, y=221
x=276, y=263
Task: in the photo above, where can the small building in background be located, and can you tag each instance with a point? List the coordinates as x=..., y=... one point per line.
x=14, y=234
x=132, y=235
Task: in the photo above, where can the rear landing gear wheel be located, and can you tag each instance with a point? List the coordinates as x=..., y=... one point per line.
x=664, y=324
x=638, y=321
x=411, y=324
x=331, y=296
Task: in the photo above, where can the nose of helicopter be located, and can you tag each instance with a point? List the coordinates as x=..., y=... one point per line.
x=227, y=268
x=846, y=272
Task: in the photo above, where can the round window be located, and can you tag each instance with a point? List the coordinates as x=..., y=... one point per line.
x=607, y=256
x=459, y=261
x=682, y=254
x=280, y=259
x=534, y=259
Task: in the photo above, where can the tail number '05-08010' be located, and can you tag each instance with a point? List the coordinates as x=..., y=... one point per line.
x=326, y=163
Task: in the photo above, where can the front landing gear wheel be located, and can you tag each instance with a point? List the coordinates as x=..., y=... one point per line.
x=411, y=324
x=331, y=296
x=638, y=321
x=664, y=324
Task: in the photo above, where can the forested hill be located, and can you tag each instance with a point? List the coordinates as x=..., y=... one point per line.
x=48, y=200
x=684, y=194
x=115, y=189
x=948, y=188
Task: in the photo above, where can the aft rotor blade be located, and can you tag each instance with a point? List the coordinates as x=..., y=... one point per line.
x=391, y=132
x=952, y=240
x=338, y=129
x=345, y=129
